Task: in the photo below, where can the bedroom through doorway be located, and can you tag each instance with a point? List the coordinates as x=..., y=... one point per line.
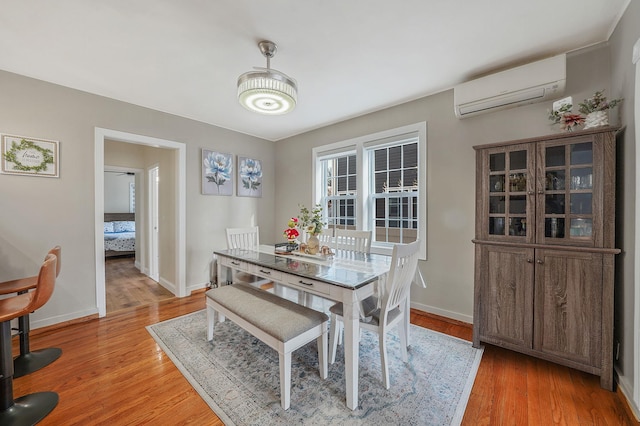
x=127, y=284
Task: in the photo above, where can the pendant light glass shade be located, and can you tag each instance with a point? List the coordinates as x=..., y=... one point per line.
x=267, y=91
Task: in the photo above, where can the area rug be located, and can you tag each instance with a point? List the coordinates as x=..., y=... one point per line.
x=238, y=376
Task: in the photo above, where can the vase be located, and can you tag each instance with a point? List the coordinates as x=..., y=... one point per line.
x=313, y=245
x=596, y=119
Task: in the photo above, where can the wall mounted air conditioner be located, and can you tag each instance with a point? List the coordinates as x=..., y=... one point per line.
x=527, y=84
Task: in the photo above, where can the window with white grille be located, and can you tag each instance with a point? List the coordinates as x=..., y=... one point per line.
x=376, y=182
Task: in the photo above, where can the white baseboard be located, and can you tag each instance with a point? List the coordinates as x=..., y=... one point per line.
x=442, y=312
x=193, y=287
x=627, y=391
x=137, y=265
x=44, y=322
x=168, y=285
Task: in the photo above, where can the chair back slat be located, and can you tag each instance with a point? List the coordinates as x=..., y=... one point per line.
x=351, y=240
x=246, y=238
x=326, y=239
x=404, y=261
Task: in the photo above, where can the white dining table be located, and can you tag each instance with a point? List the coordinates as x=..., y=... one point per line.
x=345, y=277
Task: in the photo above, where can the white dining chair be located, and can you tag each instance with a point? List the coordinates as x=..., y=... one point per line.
x=246, y=238
x=326, y=239
x=392, y=310
x=347, y=241
x=352, y=240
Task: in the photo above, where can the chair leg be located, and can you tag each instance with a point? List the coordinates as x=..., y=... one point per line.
x=308, y=299
x=333, y=338
x=302, y=298
x=28, y=409
x=28, y=361
x=403, y=342
x=383, y=357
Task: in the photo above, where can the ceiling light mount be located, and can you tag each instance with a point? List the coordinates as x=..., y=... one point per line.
x=266, y=90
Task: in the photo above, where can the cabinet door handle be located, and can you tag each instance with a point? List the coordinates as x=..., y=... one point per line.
x=540, y=191
x=265, y=272
x=539, y=262
x=530, y=192
x=234, y=263
x=305, y=283
x=529, y=260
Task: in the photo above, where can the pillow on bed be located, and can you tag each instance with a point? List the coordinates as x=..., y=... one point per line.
x=108, y=227
x=124, y=226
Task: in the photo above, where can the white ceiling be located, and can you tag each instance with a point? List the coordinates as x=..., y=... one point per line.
x=350, y=57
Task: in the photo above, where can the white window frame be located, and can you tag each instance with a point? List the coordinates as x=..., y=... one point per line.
x=361, y=145
x=323, y=200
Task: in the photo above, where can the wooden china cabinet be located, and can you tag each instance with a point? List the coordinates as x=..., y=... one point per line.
x=544, y=248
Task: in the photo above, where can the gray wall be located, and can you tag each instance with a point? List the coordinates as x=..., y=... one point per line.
x=623, y=85
x=38, y=213
x=451, y=173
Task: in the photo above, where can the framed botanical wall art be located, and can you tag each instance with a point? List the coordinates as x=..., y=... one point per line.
x=22, y=155
x=217, y=173
x=249, y=177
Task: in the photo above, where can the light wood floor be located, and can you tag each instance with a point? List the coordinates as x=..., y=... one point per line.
x=112, y=373
x=126, y=287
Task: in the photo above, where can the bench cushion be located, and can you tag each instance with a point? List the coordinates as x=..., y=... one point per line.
x=278, y=317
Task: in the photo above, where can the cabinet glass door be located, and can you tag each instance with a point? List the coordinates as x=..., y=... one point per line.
x=509, y=174
x=567, y=193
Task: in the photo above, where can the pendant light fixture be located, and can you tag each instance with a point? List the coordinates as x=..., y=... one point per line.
x=266, y=90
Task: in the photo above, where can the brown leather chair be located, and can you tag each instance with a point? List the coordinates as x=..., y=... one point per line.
x=28, y=409
x=28, y=362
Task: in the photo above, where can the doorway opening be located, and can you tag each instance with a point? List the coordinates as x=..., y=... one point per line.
x=127, y=281
x=177, y=282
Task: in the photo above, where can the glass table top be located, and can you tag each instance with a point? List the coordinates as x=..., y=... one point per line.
x=344, y=269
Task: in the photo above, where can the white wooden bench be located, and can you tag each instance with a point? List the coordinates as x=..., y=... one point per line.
x=283, y=325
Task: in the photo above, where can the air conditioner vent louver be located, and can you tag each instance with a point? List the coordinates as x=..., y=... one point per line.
x=527, y=84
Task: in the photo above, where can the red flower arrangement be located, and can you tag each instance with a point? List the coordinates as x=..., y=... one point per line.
x=569, y=121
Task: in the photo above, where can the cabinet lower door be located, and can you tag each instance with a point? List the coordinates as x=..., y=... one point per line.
x=506, y=296
x=568, y=305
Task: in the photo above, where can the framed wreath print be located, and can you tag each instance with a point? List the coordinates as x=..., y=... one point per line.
x=249, y=177
x=29, y=156
x=217, y=173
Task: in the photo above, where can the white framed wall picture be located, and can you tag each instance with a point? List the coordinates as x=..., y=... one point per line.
x=217, y=173
x=249, y=177
x=27, y=156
